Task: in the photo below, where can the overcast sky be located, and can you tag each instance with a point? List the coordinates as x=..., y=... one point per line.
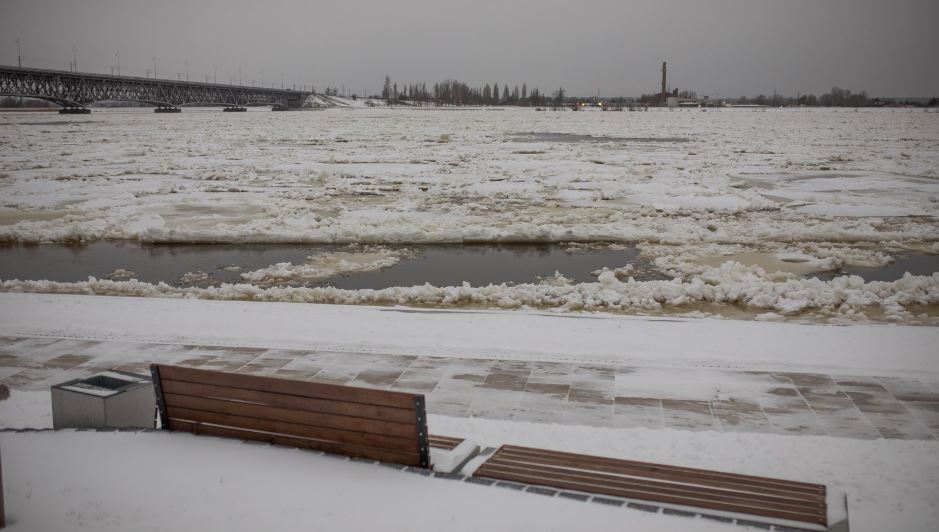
x=717, y=47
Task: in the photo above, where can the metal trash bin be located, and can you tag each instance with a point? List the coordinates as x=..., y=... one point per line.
x=111, y=399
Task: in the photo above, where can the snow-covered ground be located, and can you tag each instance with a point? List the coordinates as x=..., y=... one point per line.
x=175, y=482
x=735, y=204
x=112, y=481
x=890, y=485
x=56, y=481
x=882, y=350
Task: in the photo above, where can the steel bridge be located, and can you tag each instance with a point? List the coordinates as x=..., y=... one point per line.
x=74, y=91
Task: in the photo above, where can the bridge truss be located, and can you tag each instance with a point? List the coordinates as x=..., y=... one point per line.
x=79, y=89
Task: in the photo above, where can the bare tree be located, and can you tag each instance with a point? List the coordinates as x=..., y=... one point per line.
x=386, y=90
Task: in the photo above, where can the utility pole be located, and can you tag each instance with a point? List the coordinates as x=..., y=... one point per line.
x=19, y=54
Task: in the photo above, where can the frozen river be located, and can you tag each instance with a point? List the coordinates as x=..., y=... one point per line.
x=737, y=208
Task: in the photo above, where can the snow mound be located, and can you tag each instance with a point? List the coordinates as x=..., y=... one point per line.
x=731, y=284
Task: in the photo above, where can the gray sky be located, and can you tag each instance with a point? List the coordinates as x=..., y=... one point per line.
x=718, y=47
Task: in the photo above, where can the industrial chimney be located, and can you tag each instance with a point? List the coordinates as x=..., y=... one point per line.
x=664, y=84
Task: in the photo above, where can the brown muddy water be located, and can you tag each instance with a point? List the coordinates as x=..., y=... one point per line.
x=478, y=265
x=224, y=263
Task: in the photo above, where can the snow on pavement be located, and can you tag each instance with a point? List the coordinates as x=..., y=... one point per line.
x=882, y=350
x=891, y=485
x=108, y=481
x=176, y=482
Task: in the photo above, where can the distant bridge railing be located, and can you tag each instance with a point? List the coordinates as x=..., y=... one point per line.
x=80, y=89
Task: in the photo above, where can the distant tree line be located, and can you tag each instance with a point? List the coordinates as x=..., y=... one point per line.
x=454, y=92
x=836, y=97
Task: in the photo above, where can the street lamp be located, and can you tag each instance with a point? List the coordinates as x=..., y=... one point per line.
x=19, y=54
x=75, y=57
x=117, y=54
x=187, y=70
x=154, y=67
x=214, y=73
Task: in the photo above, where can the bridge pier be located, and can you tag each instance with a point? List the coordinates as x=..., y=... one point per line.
x=167, y=110
x=74, y=111
x=235, y=109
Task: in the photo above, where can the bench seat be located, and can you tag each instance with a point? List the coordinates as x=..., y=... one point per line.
x=788, y=501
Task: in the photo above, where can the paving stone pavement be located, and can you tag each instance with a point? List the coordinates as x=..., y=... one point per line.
x=618, y=396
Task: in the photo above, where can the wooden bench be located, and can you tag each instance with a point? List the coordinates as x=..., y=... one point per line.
x=357, y=422
x=797, y=502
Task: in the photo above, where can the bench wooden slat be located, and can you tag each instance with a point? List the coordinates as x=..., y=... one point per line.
x=371, y=453
x=745, y=494
x=700, y=477
x=812, y=499
x=703, y=476
x=447, y=443
x=291, y=416
x=548, y=480
x=602, y=481
x=293, y=402
x=294, y=429
x=288, y=387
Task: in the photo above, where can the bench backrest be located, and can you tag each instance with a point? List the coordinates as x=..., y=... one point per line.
x=358, y=422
